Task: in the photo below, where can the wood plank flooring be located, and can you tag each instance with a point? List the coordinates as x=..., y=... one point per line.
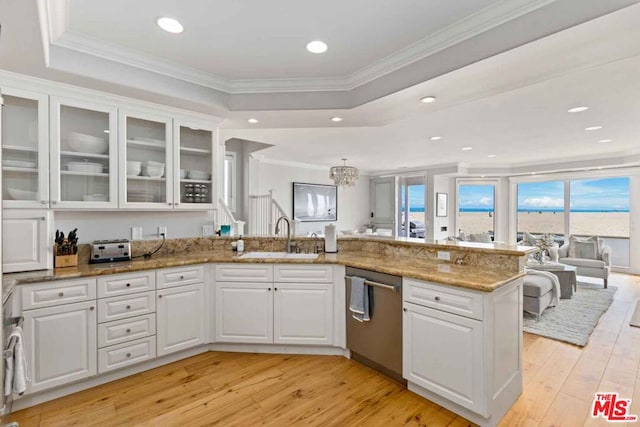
x=234, y=389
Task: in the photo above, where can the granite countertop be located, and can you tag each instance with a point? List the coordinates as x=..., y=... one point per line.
x=464, y=276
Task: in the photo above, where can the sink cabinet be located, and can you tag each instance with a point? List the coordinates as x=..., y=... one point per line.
x=244, y=312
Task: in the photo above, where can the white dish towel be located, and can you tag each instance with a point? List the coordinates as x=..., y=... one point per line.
x=16, y=375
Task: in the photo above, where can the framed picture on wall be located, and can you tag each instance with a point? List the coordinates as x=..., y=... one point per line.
x=315, y=202
x=441, y=204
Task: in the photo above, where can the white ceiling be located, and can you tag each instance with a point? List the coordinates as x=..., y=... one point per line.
x=257, y=39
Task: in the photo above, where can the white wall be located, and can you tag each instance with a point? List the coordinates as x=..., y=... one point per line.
x=117, y=224
x=353, y=203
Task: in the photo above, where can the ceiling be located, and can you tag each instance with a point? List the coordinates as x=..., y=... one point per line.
x=507, y=101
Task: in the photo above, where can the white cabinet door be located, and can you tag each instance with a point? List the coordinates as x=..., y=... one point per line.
x=145, y=160
x=61, y=344
x=303, y=314
x=443, y=353
x=194, y=165
x=244, y=312
x=84, y=154
x=181, y=318
x=25, y=149
x=25, y=243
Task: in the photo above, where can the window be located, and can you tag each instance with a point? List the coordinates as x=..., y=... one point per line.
x=412, y=207
x=229, y=184
x=476, y=208
x=600, y=207
x=541, y=208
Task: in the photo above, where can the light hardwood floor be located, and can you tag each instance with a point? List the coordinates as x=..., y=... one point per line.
x=251, y=389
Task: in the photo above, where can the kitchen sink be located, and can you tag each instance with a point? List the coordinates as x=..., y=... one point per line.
x=277, y=255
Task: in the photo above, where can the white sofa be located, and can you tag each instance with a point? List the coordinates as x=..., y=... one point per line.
x=598, y=268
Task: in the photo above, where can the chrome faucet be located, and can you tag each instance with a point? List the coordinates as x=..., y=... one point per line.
x=290, y=245
x=316, y=244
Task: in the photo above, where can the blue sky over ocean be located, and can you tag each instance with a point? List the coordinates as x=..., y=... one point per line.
x=590, y=195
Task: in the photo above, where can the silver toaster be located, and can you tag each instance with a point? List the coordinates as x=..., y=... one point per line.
x=110, y=251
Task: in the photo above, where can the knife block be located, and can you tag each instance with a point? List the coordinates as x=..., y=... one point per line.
x=64, y=260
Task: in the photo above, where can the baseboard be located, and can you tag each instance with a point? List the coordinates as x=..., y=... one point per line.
x=279, y=349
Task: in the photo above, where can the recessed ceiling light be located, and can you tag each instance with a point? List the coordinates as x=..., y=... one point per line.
x=170, y=25
x=435, y=138
x=466, y=148
x=577, y=109
x=593, y=128
x=317, y=46
x=252, y=120
x=336, y=119
x=428, y=99
x=605, y=140
x=491, y=156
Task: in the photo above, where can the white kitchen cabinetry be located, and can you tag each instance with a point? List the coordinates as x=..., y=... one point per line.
x=295, y=309
x=244, y=312
x=194, y=165
x=181, y=316
x=84, y=154
x=25, y=149
x=146, y=141
x=462, y=348
x=25, y=242
x=60, y=344
x=303, y=314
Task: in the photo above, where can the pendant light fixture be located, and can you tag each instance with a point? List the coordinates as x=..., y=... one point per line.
x=344, y=176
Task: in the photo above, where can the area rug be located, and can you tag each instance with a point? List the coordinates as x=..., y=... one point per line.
x=635, y=317
x=574, y=319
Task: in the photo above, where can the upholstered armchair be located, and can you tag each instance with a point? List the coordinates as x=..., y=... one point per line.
x=598, y=265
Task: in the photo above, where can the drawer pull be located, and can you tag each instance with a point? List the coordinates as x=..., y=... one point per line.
x=159, y=296
x=92, y=308
x=128, y=354
x=275, y=289
x=61, y=294
x=181, y=277
x=268, y=289
x=437, y=298
x=128, y=285
x=128, y=331
x=404, y=309
x=128, y=307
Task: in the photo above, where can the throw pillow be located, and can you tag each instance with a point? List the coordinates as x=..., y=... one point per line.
x=587, y=247
x=480, y=238
x=529, y=239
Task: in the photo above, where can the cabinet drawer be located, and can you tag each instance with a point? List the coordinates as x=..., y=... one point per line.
x=126, y=306
x=444, y=298
x=122, y=284
x=130, y=353
x=169, y=277
x=126, y=330
x=56, y=293
x=292, y=273
x=244, y=273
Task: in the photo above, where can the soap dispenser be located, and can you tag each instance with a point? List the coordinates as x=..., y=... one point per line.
x=330, y=243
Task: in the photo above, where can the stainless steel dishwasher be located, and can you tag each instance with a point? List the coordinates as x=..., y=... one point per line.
x=378, y=342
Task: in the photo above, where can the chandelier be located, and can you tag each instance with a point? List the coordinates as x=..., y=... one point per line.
x=344, y=176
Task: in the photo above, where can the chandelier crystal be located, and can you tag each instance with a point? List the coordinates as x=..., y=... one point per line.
x=344, y=176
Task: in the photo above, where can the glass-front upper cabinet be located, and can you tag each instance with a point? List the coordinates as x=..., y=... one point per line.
x=146, y=167
x=194, y=165
x=25, y=149
x=83, y=154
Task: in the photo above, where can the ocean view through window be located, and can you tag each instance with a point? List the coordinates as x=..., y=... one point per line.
x=541, y=208
x=476, y=208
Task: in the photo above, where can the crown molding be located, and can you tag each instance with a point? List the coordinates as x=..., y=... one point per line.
x=56, y=31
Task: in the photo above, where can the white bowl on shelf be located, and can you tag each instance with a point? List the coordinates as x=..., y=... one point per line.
x=95, y=198
x=153, y=163
x=153, y=171
x=85, y=167
x=84, y=143
x=17, y=194
x=133, y=168
x=199, y=175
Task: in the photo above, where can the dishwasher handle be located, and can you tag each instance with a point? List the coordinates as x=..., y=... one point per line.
x=394, y=288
